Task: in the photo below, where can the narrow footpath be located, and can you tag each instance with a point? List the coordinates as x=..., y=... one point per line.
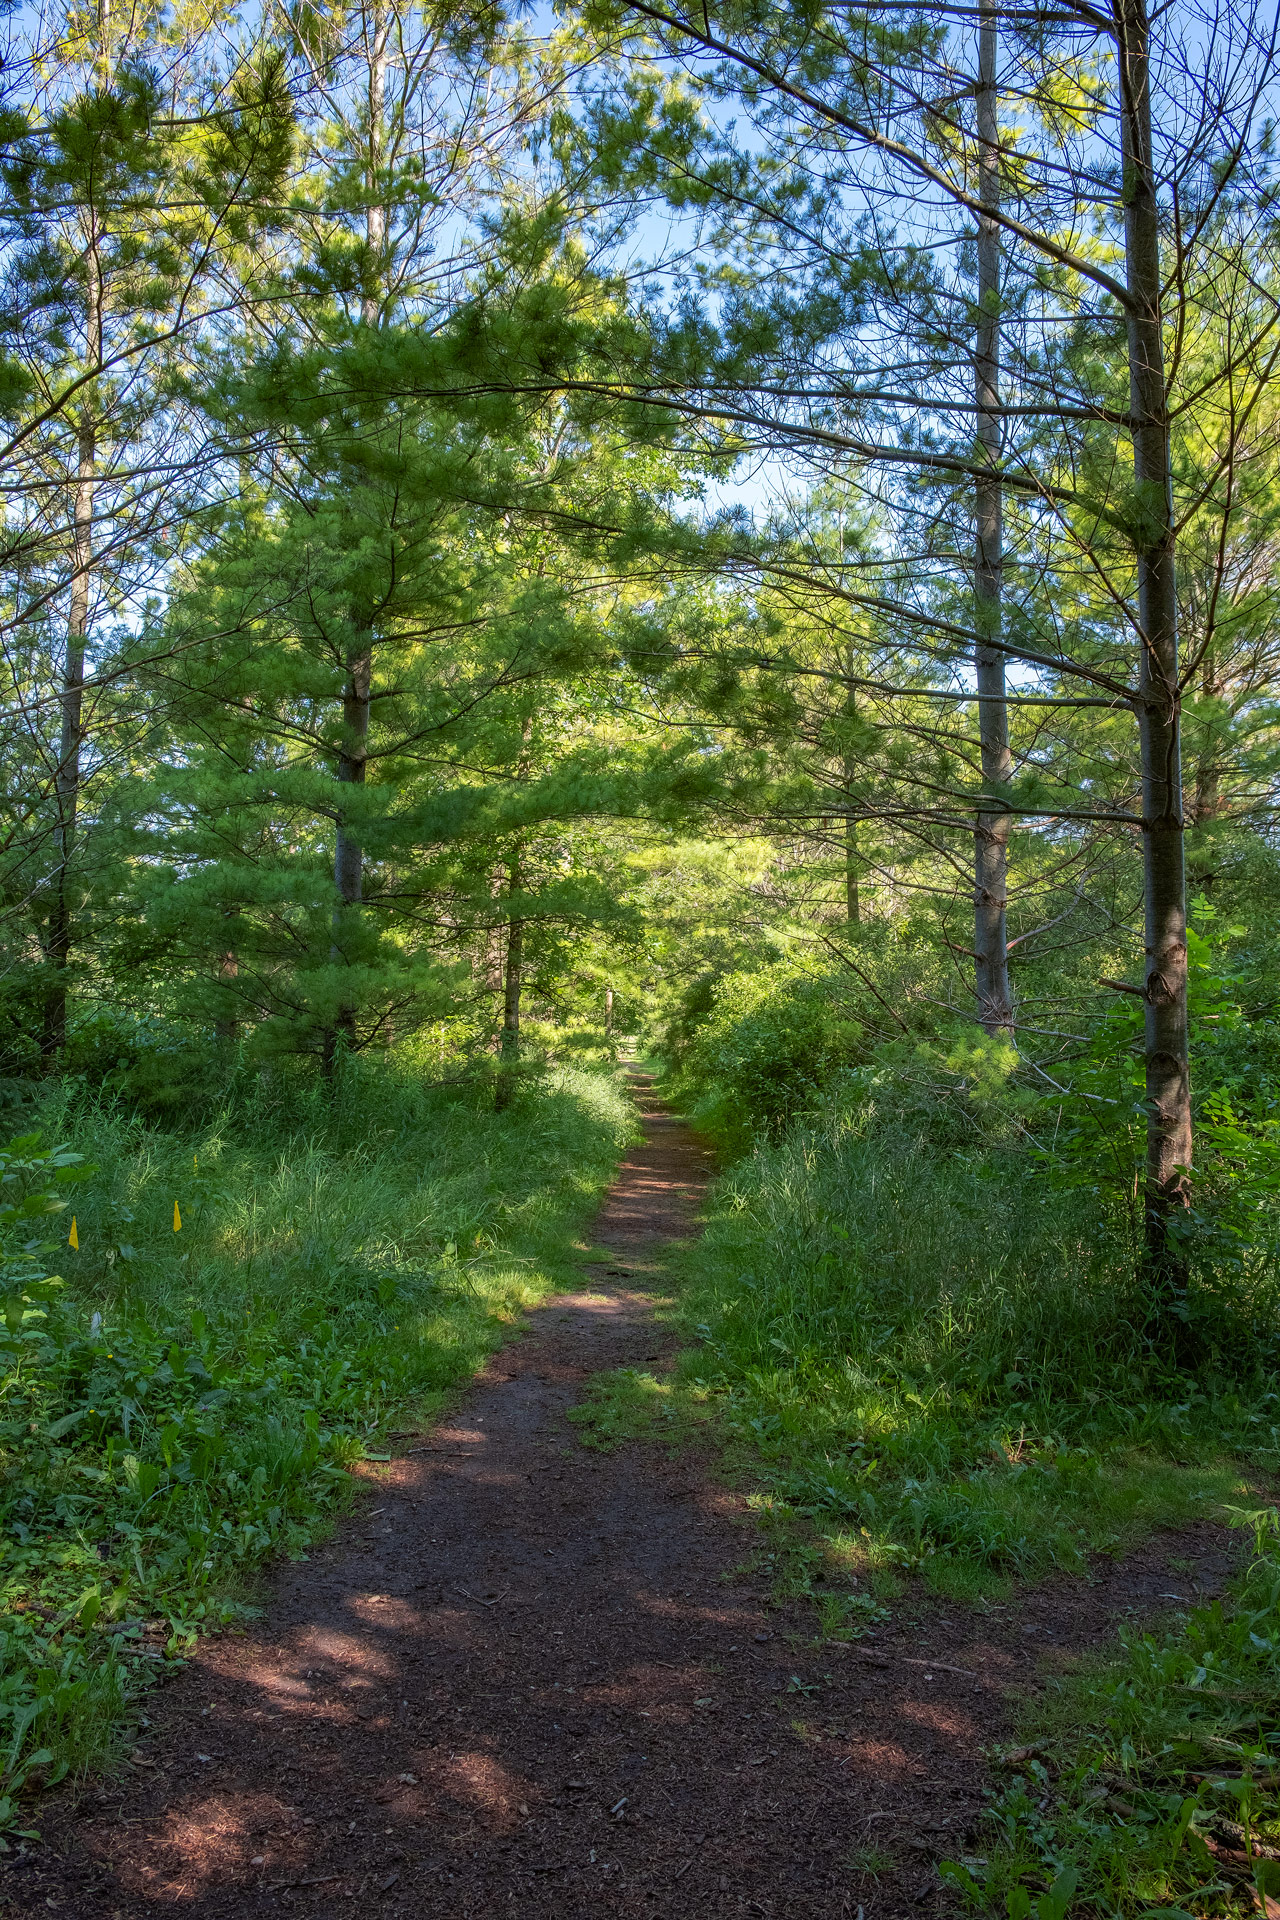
x=531, y=1679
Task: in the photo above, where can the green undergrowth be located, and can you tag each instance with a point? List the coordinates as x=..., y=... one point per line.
x=1146, y=1784
x=179, y=1403
x=920, y=1361
x=634, y=1404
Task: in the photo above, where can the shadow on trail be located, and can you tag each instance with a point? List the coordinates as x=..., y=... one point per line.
x=527, y=1679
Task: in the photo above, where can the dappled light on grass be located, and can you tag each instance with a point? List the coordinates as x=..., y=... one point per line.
x=202, y=1396
x=929, y=1375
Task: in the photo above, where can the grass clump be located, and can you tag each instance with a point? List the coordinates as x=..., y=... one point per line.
x=928, y=1360
x=1147, y=1782
x=176, y=1405
x=631, y=1403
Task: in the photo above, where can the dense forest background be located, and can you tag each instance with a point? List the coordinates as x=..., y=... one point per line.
x=745, y=531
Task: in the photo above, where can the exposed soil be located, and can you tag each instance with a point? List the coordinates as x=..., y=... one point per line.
x=531, y=1679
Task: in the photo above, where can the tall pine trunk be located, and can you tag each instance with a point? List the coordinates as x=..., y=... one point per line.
x=513, y=986
x=852, y=902
x=1168, y=1080
x=991, y=834
x=377, y=28
x=61, y=931
x=348, y=859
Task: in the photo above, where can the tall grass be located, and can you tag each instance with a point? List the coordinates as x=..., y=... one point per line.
x=936, y=1359
x=193, y=1400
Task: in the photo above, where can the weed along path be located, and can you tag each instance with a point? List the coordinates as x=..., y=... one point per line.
x=526, y=1679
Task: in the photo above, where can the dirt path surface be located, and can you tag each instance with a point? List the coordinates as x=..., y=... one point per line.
x=527, y=1680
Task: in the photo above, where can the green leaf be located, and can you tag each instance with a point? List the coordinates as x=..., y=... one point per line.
x=68, y=1420
x=1053, y=1905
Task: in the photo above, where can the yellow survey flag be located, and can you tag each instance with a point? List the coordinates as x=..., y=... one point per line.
x=73, y=1238
x=177, y=1218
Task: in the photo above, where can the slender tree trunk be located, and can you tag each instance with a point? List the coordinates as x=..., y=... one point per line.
x=608, y=1012
x=67, y=778
x=61, y=930
x=991, y=834
x=1207, y=801
x=377, y=27
x=848, y=775
x=226, y=1026
x=348, y=863
x=493, y=940
x=348, y=859
x=1206, y=797
x=1168, y=1079
x=509, y=1057
x=852, y=901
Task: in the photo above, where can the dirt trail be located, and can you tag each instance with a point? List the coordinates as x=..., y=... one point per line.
x=526, y=1680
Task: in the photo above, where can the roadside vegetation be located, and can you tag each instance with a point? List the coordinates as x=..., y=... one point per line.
x=1144, y=1782
x=254, y=1300
x=915, y=1326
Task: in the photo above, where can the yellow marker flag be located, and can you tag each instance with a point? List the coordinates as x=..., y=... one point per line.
x=73, y=1238
x=177, y=1218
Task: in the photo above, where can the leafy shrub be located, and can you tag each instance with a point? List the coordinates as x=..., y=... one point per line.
x=757, y=1048
x=156, y=1067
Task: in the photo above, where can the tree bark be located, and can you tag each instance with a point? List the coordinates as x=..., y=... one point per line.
x=348, y=858
x=509, y=1056
x=226, y=1026
x=492, y=961
x=1168, y=1080
x=377, y=24
x=348, y=861
x=852, y=903
x=991, y=834
x=60, y=934
x=848, y=774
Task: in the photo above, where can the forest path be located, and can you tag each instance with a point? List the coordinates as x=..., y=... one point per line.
x=531, y=1679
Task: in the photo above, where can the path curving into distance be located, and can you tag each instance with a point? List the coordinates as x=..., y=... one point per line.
x=528, y=1679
